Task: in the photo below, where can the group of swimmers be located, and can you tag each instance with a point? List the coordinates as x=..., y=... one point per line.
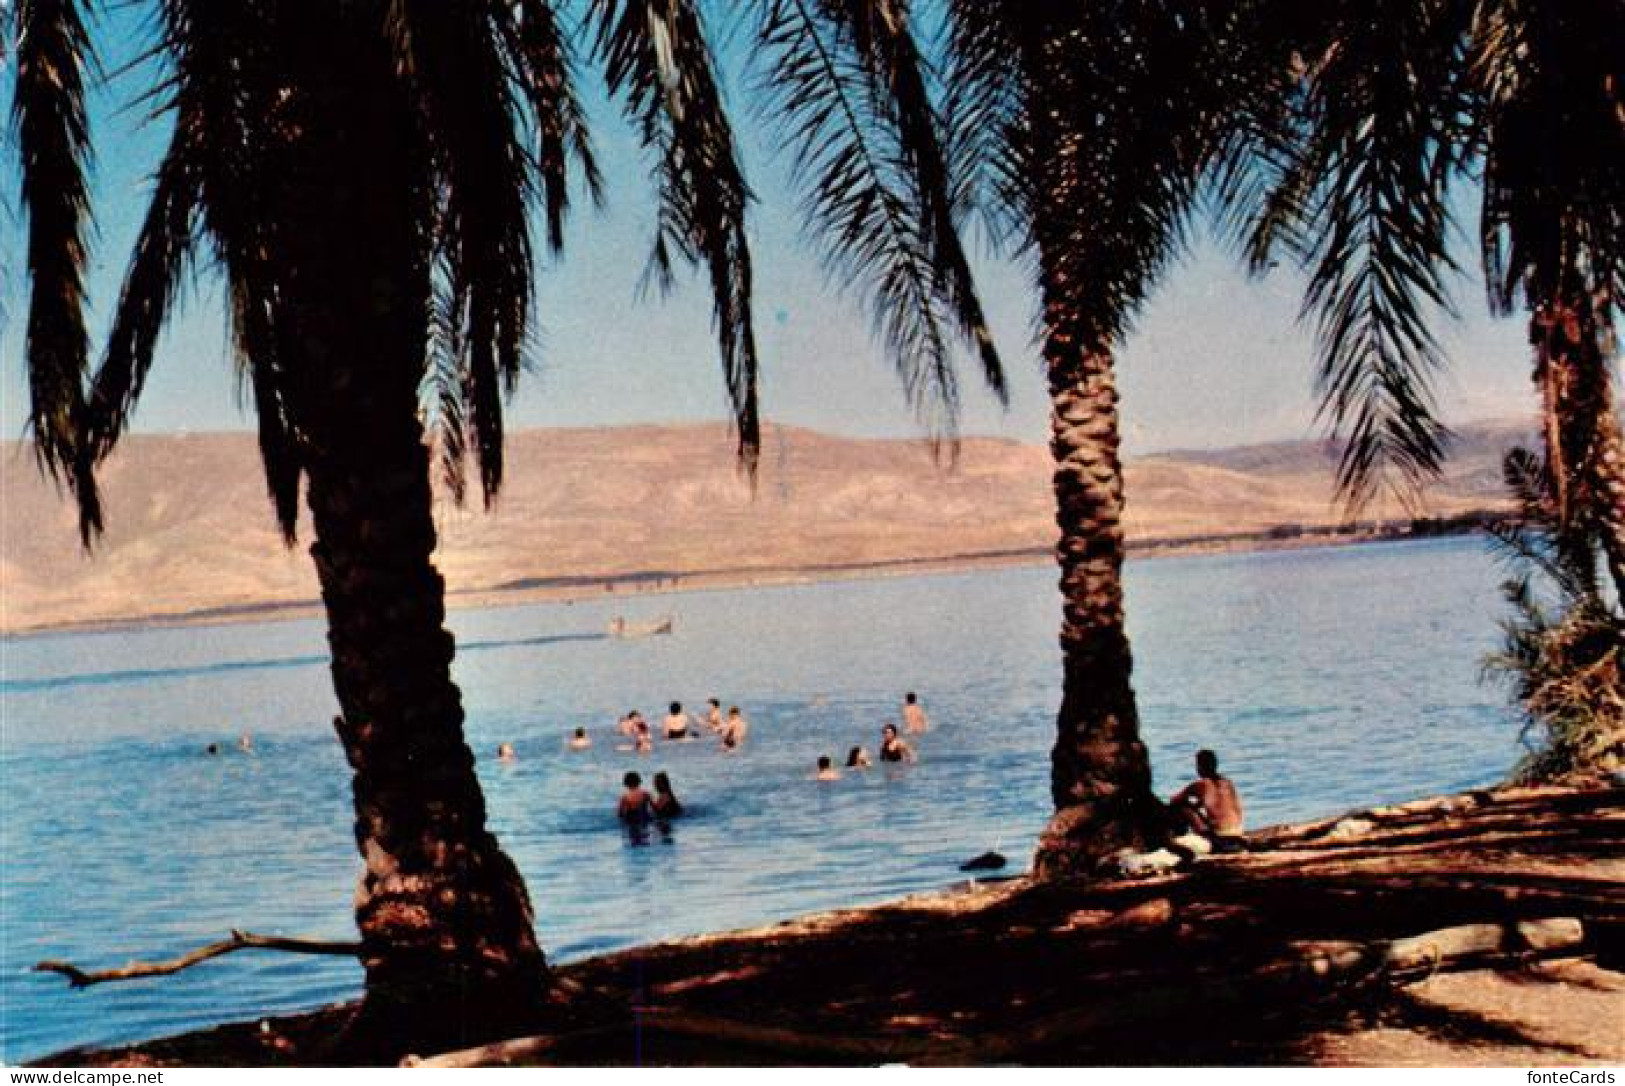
x=678, y=727
x=893, y=748
x=637, y=807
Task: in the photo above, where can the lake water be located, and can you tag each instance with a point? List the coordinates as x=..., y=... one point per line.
x=1326, y=679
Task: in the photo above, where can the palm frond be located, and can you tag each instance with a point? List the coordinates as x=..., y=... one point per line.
x=162, y=253
x=53, y=140
x=658, y=62
x=225, y=93
x=452, y=57
x=540, y=53
x=1563, y=644
x=860, y=194
x=1551, y=87
x=883, y=39
x=1361, y=199
x=985, y=112
x=442, y=394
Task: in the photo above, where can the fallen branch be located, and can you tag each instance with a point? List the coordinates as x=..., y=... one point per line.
x=240, y=940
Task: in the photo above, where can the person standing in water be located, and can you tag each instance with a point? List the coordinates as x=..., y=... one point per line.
x=914, y=720
x=734, y=732
x=664, y=804
x=713, y=716
x=580, y=741
x=677, y=722
x=893, y=749
x=826, y=771
x=635, y=807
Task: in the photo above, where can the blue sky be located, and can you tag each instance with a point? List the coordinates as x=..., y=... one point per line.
x=1216, y=358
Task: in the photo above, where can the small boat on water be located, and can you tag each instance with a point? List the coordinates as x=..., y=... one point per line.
x=619, y=627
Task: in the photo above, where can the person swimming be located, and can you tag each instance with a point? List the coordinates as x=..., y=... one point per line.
x=857, y=758
x=505, y=753
x=580, y=741
x=677, y=722
x=893, y=749
x=826, y=771
x=665, y=802
x=734, y=732
x=635, y=807
x=914, y=720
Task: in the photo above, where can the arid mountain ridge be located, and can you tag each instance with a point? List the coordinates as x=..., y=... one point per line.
x=190, y=533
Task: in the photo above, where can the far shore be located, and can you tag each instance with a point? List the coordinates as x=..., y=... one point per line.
x=639, y=584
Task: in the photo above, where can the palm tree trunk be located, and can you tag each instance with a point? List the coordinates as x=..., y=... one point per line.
x=447, y=941
x=1584, y=445
x=1100, y=775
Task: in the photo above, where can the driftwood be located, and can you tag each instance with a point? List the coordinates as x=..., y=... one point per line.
x=1312, y=968
x=240, y=940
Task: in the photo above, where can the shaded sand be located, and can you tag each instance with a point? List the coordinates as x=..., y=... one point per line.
x=1562, y=1012
x=1231, y=963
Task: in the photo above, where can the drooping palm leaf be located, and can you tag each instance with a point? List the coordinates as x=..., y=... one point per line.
x=658, y=62
x=452, y=57
x=1361, y=200
x=985, y=110
x=541, y=55
x=882, y=37
x=225, y=97
x=1552, y=89
x=860, y=192
x=163, y=251
x=53, y=138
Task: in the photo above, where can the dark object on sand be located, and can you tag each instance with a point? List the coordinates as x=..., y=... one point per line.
x=987, y=861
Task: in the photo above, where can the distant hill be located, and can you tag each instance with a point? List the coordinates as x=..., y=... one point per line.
x=190, y=529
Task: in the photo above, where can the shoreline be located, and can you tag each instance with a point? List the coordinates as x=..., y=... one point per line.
x=1291, y=951
x=640, y=584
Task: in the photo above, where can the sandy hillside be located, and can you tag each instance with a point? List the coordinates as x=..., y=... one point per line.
x=190, y=529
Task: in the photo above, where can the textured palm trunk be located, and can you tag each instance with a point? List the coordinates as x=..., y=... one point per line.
x=1100, y=775
x=445, y=922
x=1584, y=445
x=446, y=927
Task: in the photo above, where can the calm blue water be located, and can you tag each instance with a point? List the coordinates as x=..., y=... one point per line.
x=1325, y=678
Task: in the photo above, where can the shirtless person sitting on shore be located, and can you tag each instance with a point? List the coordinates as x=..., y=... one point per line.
x=1209, y=807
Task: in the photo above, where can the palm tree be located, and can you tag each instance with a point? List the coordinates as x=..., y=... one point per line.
x=1550, y=90
x=1079, y=134
x=357, y=172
